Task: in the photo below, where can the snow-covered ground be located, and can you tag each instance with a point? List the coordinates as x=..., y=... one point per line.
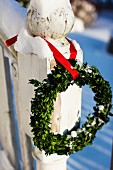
x=94, y=42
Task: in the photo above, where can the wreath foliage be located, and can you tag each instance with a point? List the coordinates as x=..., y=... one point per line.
x=42, y=107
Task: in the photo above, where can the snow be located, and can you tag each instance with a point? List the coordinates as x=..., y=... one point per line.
x=73, y=134
x=12, y=16
x=101, y=107
x=28, y=44
x=101, y=29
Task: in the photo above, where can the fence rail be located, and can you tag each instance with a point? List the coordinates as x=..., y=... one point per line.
x=13, y=138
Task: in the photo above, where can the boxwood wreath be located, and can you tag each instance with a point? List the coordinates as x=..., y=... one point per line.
x=42, y=107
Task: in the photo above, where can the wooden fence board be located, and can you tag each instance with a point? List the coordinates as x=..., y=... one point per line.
x=4, y=161
x=5, y=133
x=29, y=67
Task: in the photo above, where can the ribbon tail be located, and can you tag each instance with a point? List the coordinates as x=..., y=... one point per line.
x=11, y=41
x=74, y=74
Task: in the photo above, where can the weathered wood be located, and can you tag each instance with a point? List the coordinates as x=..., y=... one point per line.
x=25, y=141
x=4, y=161
x=5, y=133
x=13, y=115
x=28, y=67
x=58, y=164
x=9, y=136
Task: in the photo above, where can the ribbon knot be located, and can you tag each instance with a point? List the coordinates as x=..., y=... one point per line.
x=63, y=61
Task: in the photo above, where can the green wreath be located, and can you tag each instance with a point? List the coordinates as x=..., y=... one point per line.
x=42, y=107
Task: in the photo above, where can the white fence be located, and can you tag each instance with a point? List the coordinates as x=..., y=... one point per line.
x=13, y=138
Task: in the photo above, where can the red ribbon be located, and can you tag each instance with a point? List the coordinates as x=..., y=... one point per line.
x=73, y=51
x=63, y=61
x=11, y=41
x=57, y=55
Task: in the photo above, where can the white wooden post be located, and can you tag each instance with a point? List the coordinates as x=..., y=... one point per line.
x=53, y=25
x=32, y=67
x=58, y=164
x=29, y=67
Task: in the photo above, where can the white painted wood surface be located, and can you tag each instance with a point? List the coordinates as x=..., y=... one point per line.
x=56, y=165
x=5, y=132
x=5, y=164
x=29, y=67
x=9, y=138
